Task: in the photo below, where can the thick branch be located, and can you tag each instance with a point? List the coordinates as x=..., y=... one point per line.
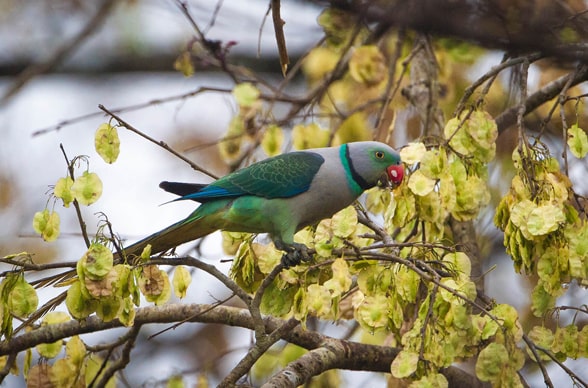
x=352, y=355
x=546, y=93
x=510, y=26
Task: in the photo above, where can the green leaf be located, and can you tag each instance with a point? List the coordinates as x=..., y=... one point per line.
x=277, y=301
x=319, y=62
x=146, y=253
x=373, y=312
x=319, y=300
x=108, y=308
x=368, y=65
x=378, y=201
x=341, y=280
x=405, y=364
x=62, y=190
x=181, y=281
x=354, y=128
x=75, y=350
x=46, y=224
x=519, y=214
x=51, y=350
x=309, y=136
x=566, y=341
x=87, y=188
x=243, y=270
x=344, y=222
x=430, y=209
x=476, y=137
x=230, y=146
x=184, y=65
x=124, y=280
x=484, y=131
x=246, y=94
x=272, y=140
x=408, y=282
x=542, y=337
x=577, y=141
x=541, y=301
x=583, y=342
x=55, y=317
x=510, y=319
x=63, y=373
x=299, y=305
x=107, y=143
x=458, y=137
x=458, y=262
x=433, y=163
x=127, y=312
x=97, y=261
x=471, y=192
x=447, y=191
x=545, y=219
x=23, y=299
x=507, y=314
x=94, y=365
x=436, y=380
x=413, y=153
x=337, y=24
x=267, y=256
x=77, y=304
x=176, y=382
x=491, y=362
x=489, y=329
x=419, y=184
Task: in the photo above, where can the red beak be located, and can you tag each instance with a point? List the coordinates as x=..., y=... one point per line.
x=395, y=173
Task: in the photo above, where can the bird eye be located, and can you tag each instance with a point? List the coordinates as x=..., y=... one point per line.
x=379, y=155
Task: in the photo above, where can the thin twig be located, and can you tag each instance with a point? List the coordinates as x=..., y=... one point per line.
x=81, y=222
x=62, y=52
x=280, y=39
x=532, y=347
x=158, y=143
x=123, y=360
x=258, y=350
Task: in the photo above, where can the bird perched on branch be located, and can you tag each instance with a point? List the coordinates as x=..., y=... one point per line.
x=279, y=196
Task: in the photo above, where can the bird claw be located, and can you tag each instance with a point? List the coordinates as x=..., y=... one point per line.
x=295, y=254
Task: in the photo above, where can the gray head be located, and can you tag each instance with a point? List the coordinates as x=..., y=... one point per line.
x=372, y=161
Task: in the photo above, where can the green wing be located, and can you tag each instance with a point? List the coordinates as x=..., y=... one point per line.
x=282, y=176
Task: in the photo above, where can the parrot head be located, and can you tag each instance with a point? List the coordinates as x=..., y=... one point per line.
x=376, y=163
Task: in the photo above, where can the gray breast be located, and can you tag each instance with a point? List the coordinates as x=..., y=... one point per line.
x=329, y=192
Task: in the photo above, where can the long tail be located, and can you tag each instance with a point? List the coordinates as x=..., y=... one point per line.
x=200, y=223
x=203, y=221
x=172, y=236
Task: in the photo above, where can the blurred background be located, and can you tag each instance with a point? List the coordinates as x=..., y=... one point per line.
x=60, y=59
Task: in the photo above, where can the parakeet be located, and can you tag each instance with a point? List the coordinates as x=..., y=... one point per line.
x=279, y=195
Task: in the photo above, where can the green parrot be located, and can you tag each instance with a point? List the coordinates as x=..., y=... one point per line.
x=279, y=196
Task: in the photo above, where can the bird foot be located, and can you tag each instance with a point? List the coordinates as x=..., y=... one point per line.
x=295, y=254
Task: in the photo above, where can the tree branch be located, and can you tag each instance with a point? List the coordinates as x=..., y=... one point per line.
x=546, y=93
x=61, y=53
x=352, y=355
x=160, y=143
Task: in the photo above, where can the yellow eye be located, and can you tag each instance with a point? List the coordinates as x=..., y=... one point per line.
x=379, y=155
